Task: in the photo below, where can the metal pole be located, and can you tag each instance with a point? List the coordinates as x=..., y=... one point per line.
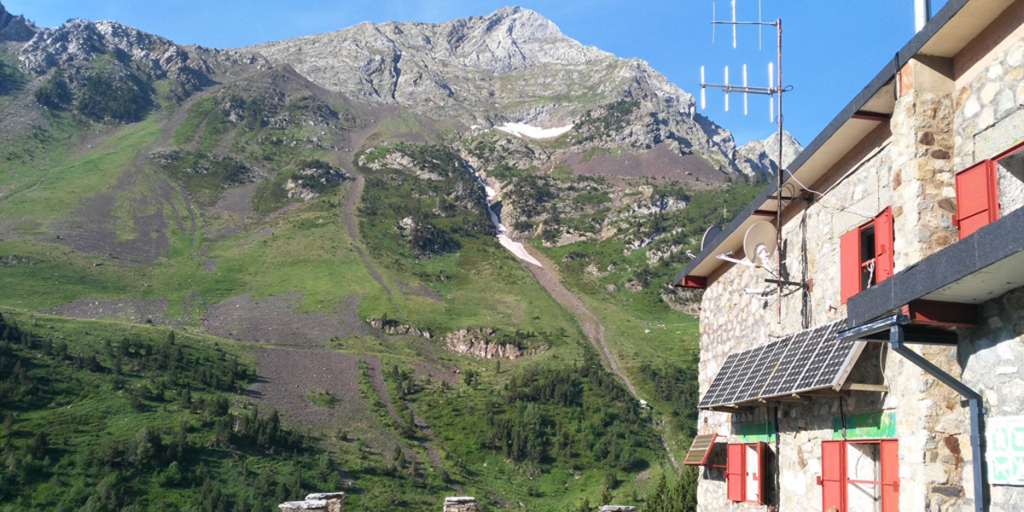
x=778, y=203
x=922, y=11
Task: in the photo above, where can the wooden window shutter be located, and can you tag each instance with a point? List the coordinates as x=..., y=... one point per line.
x=849, y=264
x=734, y=473
x=890, y=455
x=977, y=198
x=883, y=245
x=831, y=480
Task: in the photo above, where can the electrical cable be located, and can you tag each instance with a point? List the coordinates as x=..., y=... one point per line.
x=845, y=207
x=881, y=363
x=842, y=415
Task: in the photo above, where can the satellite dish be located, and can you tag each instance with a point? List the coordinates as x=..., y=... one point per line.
x=759, y=243
x=709, y=236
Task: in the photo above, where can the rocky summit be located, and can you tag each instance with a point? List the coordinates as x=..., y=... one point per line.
x=513, y=66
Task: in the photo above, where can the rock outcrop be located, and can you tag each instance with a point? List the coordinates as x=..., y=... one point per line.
x=81, y=51
x=313, y=179
x=394, y=328
x=15, y=28
x=761, y=157
x=482, y=343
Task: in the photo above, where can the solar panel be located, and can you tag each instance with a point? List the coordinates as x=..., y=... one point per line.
x=803, y=361
x=719, y=382
x=825, y=338
x=755, y=370
x=768, y=364
x=791, y=366
x=699, y=450
x=845, y=353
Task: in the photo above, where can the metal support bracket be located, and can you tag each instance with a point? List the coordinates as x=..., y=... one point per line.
x=897, y=341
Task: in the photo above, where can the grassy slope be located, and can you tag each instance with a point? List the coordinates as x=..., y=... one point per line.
x=310, y=252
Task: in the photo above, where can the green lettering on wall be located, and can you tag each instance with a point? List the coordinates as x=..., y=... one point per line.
x=870, y=425
x=754, y=432
x=1004, y=442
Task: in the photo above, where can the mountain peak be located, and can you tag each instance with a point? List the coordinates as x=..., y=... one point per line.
x=15, y=28
x=522, y=24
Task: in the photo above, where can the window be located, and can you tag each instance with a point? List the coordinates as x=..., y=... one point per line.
x=860, y=476
x=865, y=255
x=977, y=200
x=744, y=470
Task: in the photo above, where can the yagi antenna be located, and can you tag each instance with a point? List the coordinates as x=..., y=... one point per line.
x=760, y=247
x=745, y=88
x=734, y=24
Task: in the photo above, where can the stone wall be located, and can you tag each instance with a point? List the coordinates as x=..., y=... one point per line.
x=924, y=197
x=316, y=502
x=460, y=504
x=993, y=358
x=988, y=119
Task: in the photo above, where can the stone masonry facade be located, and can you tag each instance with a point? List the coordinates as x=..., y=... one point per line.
x=939, y=127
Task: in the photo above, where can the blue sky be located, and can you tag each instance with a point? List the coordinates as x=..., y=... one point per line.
x=831, y=48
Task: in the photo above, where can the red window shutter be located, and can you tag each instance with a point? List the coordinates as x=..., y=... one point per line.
x=734, y=473
x=977, y=197
x=890, y=454
x=883, y=245
x=849, y=264
x=832, y=469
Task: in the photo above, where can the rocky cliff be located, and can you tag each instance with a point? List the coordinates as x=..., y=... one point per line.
x=514, y=65
x=15, y=28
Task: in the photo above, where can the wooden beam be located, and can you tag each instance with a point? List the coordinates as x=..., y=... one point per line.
x=720, y=408
x=824, y=392
x=790, y=398
x=854, y=386
x=865, y=115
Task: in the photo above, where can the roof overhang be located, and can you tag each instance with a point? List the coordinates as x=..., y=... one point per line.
x=979, y=268
x=958, y=23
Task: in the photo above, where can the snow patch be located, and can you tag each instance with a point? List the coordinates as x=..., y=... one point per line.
x=514, y=247
x=534, y=132
x=517, y=249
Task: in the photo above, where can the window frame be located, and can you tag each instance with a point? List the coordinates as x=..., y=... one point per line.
x=888, y=473
x=867, y=244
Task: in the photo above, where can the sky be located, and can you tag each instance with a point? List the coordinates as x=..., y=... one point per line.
x=831, y=48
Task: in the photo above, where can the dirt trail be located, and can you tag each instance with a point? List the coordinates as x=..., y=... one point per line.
x=549, y=278
x=348, y=216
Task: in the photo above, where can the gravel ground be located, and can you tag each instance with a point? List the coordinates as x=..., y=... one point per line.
x=272, y=321
x=130, y=310
x=660, y=162
x=287, y=375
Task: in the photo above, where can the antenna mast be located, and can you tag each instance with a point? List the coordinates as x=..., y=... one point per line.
x=774, y=91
